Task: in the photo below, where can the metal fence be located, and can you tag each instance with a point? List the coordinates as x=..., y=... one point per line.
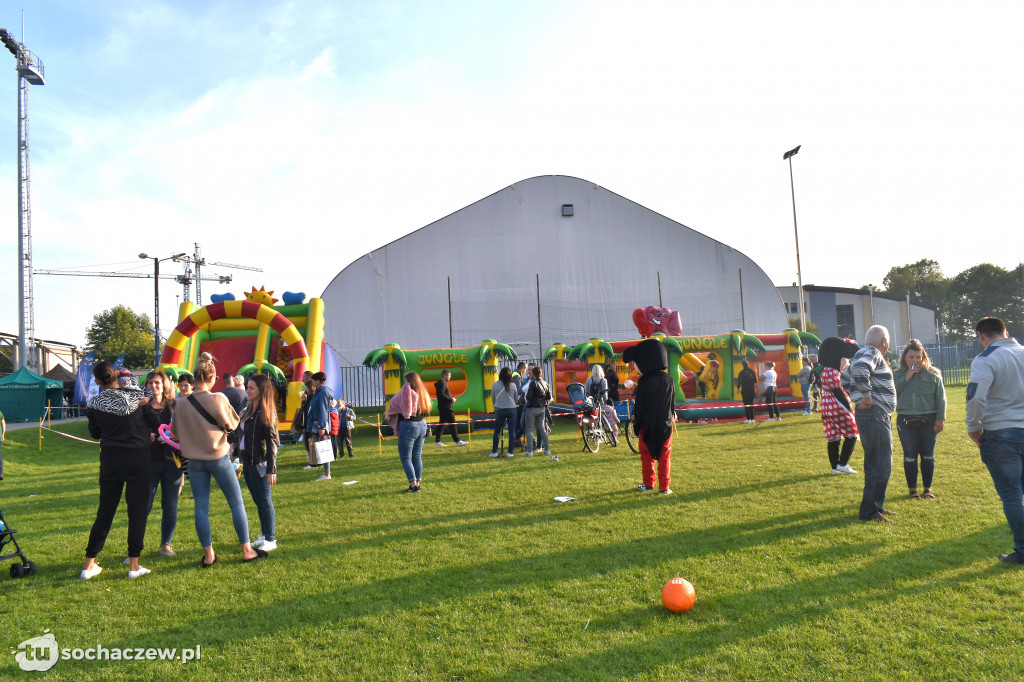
x=954, y=359
x=362, y=386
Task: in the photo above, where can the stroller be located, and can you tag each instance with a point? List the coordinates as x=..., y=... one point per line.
x=594, y=425
x=26, y=567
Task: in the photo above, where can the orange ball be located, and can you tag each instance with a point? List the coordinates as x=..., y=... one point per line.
x=678, y=595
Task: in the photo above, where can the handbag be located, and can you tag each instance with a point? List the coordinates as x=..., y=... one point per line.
x=323, y=452
x=230, y=433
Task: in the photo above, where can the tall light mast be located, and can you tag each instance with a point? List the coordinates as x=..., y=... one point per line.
x=30, y=71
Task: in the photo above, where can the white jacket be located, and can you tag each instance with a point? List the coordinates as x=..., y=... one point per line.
x=995, y=396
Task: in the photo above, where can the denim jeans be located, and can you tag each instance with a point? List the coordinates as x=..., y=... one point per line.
x=504, y=416
x=875, y=426
x=168, y=477
x=199, y=473
x=1002, y=451
x=411, y=435
x=534, y=417
x=259, y=488
x=917, y=442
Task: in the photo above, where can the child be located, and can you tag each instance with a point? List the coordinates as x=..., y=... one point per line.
x=653, y=412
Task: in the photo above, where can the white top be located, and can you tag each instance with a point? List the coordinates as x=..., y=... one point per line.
x=769, y=377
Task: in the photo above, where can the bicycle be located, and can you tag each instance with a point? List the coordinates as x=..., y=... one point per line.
x=593, y=422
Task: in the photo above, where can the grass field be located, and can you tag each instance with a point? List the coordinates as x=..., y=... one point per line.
x=483, y=576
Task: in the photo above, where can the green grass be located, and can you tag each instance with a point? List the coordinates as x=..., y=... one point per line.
x=484, y=576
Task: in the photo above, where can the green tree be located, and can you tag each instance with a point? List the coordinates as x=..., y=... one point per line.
x=982, y=291
x=923, y=279
x=120, y=330
x=794, y=322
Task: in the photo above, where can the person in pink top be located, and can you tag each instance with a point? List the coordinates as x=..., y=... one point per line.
x=406, y=414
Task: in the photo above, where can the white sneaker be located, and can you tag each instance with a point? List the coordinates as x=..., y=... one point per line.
x=835, y=471
x=439, y=444
x=510, y=455
x=139, y=573
x=845, y=469
x=461, y=444
x=325, y=477
x=269, y=545
x=91, y=573
x=493, y=454
x=125, y=561
x=547, y=452
x=258, y=542
x=308, y=466
x=529, y=453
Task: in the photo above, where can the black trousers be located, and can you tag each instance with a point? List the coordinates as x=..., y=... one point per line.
x=446, y=417
x=128, y=473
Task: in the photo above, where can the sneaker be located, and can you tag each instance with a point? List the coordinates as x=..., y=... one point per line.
x=846, y=469
x=168, y=552
x=1011, y=558
x=835, y=471
x=547, y=452
x=125, y=561
x=666, y=491
x=879, y=518
x=554, y=459
x=510, y=455
x=461, y=444
x=258, y=542
x=493, y=454
x=139, y=573
x=325, y=477
x=96, y=570
x=439, y=444
x=644, y=488
x=308, y=467
x=530, y=453
x=268, y=545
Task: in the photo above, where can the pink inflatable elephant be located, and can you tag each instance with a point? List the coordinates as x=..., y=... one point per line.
x=655, y=320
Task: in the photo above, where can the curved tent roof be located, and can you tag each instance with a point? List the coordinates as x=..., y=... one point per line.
x=551, y=259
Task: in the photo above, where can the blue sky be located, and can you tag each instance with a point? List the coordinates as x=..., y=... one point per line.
x=296, y=136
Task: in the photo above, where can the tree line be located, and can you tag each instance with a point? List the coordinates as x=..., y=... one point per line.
x=960, y=301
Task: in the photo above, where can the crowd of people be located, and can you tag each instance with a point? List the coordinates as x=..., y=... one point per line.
x=855, y=388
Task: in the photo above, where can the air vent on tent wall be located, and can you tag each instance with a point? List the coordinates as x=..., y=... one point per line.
x=567, y=210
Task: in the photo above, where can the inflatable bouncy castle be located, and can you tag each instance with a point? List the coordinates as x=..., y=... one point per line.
x=474, y=370
x=703, y=368
x=250, y=336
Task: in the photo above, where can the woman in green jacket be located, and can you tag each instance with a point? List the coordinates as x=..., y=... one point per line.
x=921, y=409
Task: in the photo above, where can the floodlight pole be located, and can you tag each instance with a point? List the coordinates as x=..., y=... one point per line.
x=30, y=70
x=788, y=156
x=156, y=302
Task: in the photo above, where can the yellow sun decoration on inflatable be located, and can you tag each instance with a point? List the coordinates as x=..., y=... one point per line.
x=261, y=295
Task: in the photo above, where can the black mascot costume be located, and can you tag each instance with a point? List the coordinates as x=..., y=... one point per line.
x=837, y=415
x=653, y=411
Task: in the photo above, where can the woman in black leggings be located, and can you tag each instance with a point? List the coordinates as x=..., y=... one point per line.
x=771, y=390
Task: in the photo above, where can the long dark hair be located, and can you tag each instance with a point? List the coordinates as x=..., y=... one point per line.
x=265, y=403
x=505, y=376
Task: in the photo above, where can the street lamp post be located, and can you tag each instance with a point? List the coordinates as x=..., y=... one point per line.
x=788, y=156
x=871, y=303
x=910, y=322
x=156, y=302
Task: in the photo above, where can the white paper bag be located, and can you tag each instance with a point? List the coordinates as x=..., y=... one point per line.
x=323, y=451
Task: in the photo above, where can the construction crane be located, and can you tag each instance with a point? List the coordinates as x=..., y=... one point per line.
x=199, y=263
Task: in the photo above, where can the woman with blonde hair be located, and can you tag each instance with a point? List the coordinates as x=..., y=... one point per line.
x=406, y=414
x=921, y=413
x=202, y=423
x=165, y=468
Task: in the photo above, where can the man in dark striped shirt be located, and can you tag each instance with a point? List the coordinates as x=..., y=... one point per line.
x=874, y=392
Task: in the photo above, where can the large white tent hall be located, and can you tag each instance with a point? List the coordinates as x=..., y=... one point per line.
x=551, y=259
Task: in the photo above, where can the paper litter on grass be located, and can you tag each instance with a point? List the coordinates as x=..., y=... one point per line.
x=564, y=499
x=349, y=482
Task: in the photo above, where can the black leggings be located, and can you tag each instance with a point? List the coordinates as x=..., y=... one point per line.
x=770, y=393
x=837, y=458
x=748, y=406
x=129, y=473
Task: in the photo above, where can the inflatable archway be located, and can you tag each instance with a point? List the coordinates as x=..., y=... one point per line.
x=234, y=318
